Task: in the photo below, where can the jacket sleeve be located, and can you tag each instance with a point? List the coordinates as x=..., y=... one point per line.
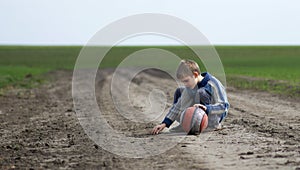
x=220, y=102
x=173, y=113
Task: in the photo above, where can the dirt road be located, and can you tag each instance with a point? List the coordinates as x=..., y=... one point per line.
x=40, y=129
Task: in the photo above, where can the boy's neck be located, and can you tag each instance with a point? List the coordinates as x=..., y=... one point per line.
x=199, y=78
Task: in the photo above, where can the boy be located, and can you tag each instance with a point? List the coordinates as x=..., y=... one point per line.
x=200, y=90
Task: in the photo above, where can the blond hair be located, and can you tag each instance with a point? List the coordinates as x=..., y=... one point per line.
x=187, y=68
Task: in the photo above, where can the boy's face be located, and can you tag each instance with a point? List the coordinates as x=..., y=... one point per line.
x=189, y=81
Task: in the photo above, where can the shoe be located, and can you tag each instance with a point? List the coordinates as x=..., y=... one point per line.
x=177, y=129
x=219, y=127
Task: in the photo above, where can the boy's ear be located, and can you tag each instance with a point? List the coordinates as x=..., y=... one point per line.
x=196, y=74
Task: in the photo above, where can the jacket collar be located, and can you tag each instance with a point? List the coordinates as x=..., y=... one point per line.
x=206, y=77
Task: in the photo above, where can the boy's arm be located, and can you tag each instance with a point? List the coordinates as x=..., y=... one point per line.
x=221, y=104
x=173, y=113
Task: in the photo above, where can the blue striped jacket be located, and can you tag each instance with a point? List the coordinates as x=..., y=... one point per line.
x=209, y=92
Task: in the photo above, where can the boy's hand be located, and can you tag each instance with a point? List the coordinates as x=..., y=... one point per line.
x=200, y=106
x=158, y=129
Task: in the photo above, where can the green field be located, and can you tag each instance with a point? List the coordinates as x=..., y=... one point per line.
x=270, y=68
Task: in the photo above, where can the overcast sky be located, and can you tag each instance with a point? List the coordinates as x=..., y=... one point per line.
x=223, y=22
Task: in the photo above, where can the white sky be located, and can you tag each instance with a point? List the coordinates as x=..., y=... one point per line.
x=223, y=22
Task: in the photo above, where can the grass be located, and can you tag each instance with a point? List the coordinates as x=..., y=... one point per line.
x=21, y=76
x=269, y=68
x=278, y=63
x=18, y=63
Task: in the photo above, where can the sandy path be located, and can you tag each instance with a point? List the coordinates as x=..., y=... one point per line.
x=39, y=129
